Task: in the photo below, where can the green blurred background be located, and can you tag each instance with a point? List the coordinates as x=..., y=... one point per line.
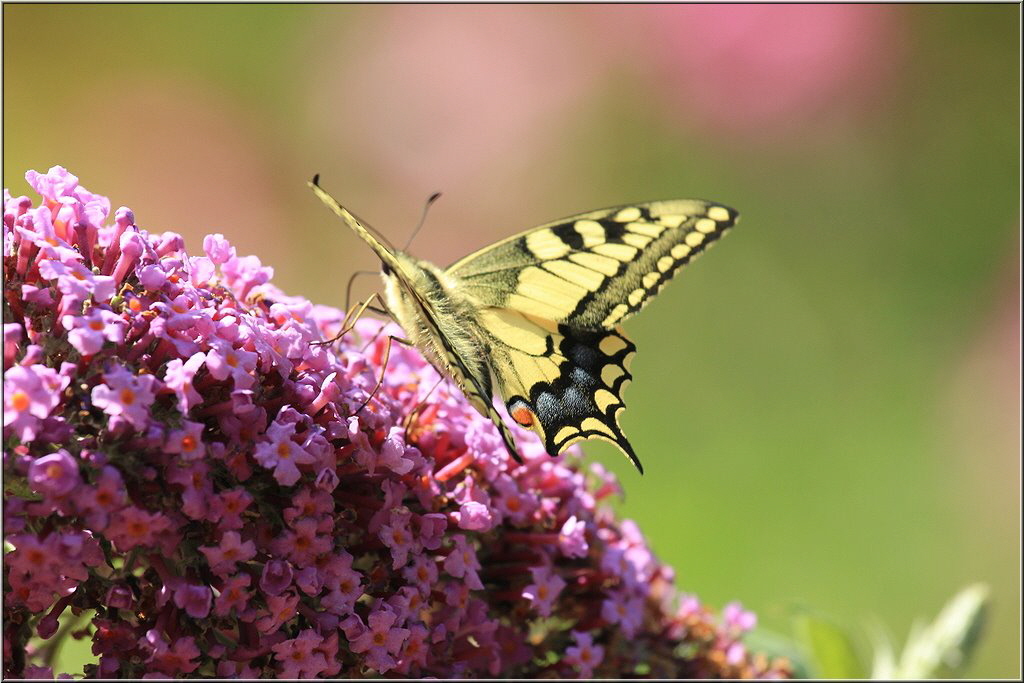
x=827, y=405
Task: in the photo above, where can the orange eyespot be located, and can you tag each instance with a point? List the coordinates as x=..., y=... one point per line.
x=523, y=415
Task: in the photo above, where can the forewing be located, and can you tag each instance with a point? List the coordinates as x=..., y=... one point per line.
x=564, y=383
x=594, y=270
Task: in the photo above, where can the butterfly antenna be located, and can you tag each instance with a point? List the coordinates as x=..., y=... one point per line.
x=426, y=207
x=376, y=233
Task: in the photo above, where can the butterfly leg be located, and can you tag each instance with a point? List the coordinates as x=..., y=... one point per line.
x=351, y=317
x=420, y=405
x=384, y=366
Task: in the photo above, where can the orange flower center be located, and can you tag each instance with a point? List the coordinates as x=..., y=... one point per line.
x=20, y=401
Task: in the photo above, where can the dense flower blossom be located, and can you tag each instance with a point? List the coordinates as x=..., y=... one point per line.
x=200, y=483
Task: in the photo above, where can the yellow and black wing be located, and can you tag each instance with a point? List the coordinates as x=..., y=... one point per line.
x=594, y=270
x=549, y=301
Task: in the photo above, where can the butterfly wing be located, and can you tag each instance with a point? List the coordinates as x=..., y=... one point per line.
x=564, y=383
x=594, y=270
x=550, y=300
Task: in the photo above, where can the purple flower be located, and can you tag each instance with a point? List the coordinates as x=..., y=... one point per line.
x=13, y=333
x=281, y=454
x=544, y=590
x=625, y=610
x=30, y=395
x=397, y=536
x=299, y=657
x=125, y=396
x=422, y=573
x=474, y=516
x=187, y=441
x=432, y=526
x=463, y=563
x=179, y=376
x=88, y=332
x=54, y=184
x=173, y=658
x=234, y=596
x=344, y=583
x=381, y=641
x=76, y=282
x=55, y=474
x=133, y=527
x=303, y=543
x=119, y=597
x=224, y=557
x=228, y=506
x=584, y=655
x=737, y=619
x=279, y=611
x=218, y=249
x=195, y=599
x=571, y=538
x=276, y=578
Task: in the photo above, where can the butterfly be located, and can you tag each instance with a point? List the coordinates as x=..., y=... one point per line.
x=536, y=316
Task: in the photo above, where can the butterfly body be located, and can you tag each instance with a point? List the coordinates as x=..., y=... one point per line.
x=535, y=317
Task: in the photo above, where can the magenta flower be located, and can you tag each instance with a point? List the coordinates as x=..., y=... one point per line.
x=279, y=611
x=572, y=539
x=76, y=282
x=174, y=658
x=281, y=454
x=224, y=360
x=625, y=610
x=397, y=536
x=276, y=577
x=186, y=470
x=234, y=597
x=30, y=395
x=223, y=558
x=303, y=543
x=462, y=563
x=125, y=396
x=179, y=377
x=381, y=641
x=299, y=657
x=544, y=590
x=196, y=600
x=55, y=474
x=87, y=333
x=227, y=507
x=737, y=619
x=584, y=655
x=133, y=527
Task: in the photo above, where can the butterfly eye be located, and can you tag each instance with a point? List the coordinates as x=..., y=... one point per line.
x=521, y=414
x=385, y=268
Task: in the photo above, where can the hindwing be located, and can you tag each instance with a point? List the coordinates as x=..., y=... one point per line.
x=594, y=270
x=564, y=383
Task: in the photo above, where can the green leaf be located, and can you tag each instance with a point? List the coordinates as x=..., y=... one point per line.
x=943, y=648
x=831, y=649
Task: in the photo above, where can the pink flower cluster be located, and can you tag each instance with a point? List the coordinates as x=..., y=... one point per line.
x=191, y=485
